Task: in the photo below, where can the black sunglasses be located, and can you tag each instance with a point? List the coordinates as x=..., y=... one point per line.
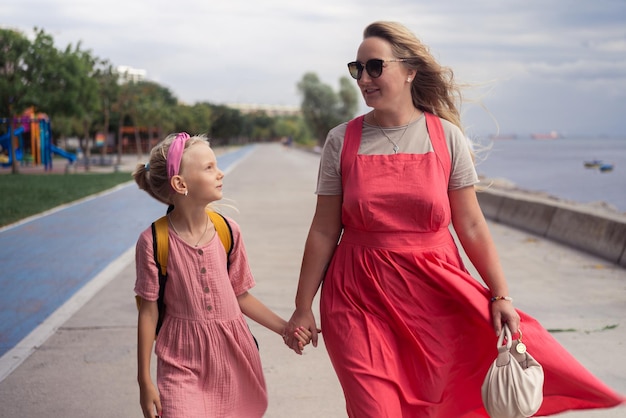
x=374, y=67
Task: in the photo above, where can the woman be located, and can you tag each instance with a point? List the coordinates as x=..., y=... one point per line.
x=409, y=332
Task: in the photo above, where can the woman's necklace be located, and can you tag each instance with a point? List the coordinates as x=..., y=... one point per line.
x=206, y=227
x=395, y=144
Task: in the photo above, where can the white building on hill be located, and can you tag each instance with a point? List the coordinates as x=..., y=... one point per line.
x=130, y=74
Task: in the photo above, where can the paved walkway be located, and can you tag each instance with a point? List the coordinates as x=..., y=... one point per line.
x=87, y=368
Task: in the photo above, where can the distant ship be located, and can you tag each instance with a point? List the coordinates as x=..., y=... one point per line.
x=551, y=135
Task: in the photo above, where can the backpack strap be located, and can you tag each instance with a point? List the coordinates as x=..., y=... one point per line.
x=160, y=243
x=160, y=246
x=224, y=231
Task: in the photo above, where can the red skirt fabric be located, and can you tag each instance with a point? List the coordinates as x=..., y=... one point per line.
x=409, y=334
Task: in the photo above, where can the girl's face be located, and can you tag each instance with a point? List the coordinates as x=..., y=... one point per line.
x=390, y=89
x=201, y=174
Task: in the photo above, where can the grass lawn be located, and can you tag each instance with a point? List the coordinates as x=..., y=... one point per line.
x=23, y=195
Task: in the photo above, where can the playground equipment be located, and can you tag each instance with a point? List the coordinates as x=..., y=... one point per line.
x=31, y=139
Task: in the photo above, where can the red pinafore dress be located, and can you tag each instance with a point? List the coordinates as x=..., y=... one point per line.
x=407, y=329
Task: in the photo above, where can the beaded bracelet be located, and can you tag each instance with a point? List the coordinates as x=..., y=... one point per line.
x=496, y=298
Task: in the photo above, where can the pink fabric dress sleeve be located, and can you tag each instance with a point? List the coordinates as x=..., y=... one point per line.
x=239, y=271
x=147, y=277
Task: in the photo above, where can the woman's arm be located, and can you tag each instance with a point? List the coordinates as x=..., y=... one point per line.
x=320, y=245
x=473, y=233
x=146, y=332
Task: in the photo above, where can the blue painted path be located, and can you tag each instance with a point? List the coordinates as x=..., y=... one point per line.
x=45, y=261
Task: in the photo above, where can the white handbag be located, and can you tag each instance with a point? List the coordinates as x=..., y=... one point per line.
x=513, y=387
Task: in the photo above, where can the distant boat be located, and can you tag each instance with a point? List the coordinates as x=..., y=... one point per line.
x=606, y=167
x=551, y=135
x=593, y=164
x=598, y=164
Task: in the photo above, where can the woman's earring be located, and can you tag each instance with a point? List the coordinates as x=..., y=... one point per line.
x=408, y=80
x=186, y=192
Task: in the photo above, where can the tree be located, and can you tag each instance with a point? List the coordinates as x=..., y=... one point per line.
x=49, y=77
x=226, y=125
x=258, y=126
x=79, y=99
x=195, y=120
x=348, y=98
x=108, y=90
x=148, y=107
x=322, y=108
x=292, y=126
x=154, y=110
x=123, y=106
x=13, y=84
x=13, y=81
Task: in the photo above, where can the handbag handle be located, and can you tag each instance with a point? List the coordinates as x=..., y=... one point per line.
x=520, y=348
x=506, y=333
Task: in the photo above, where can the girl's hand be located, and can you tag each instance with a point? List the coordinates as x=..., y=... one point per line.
x=149, y=400
x=301, y=336
x=303, y=318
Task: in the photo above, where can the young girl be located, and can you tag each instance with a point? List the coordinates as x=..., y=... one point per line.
x=207, y=360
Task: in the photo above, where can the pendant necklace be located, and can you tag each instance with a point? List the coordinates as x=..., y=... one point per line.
x=206, y=227
x=395, y=144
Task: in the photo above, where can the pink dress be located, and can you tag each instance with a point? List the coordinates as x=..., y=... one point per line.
x=408, y=330
x=208, y=364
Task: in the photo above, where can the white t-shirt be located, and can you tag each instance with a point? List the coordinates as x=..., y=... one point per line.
x=414, y=141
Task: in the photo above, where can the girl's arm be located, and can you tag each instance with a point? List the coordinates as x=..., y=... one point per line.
x=473, y=233
x=258, y=312
x=146, y=332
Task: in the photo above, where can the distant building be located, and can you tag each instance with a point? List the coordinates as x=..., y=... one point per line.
x=269, y=110
x=129, y=74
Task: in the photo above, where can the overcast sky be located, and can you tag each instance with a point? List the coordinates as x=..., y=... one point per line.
x=540, y=65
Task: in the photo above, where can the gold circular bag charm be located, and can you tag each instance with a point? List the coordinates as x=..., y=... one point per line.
x=520, y=347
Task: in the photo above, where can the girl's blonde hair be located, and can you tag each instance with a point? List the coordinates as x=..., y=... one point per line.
x=152, y=177
x=433, y=89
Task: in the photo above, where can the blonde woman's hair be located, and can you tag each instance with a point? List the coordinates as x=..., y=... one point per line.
x=152, y=177
x=433, y=89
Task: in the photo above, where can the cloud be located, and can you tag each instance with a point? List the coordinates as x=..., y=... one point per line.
x=256, y=52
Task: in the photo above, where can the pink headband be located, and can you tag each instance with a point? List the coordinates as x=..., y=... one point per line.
x=175, y=154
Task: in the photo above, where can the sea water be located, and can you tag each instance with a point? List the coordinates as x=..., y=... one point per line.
x=556, y=167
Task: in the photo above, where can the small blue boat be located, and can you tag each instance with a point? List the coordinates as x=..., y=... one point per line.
x=606, y=167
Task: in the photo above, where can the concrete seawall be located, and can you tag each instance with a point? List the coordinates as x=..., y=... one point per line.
x=594, y=230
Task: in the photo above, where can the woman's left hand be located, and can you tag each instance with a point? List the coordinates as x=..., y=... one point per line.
x=503, y=311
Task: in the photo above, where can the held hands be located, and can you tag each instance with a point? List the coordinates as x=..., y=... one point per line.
x=302, y=324
x=300, y=337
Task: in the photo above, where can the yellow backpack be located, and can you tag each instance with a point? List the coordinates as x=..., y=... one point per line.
x=160, y=239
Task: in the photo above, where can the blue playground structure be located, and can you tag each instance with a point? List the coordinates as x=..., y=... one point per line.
x=32, y=143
